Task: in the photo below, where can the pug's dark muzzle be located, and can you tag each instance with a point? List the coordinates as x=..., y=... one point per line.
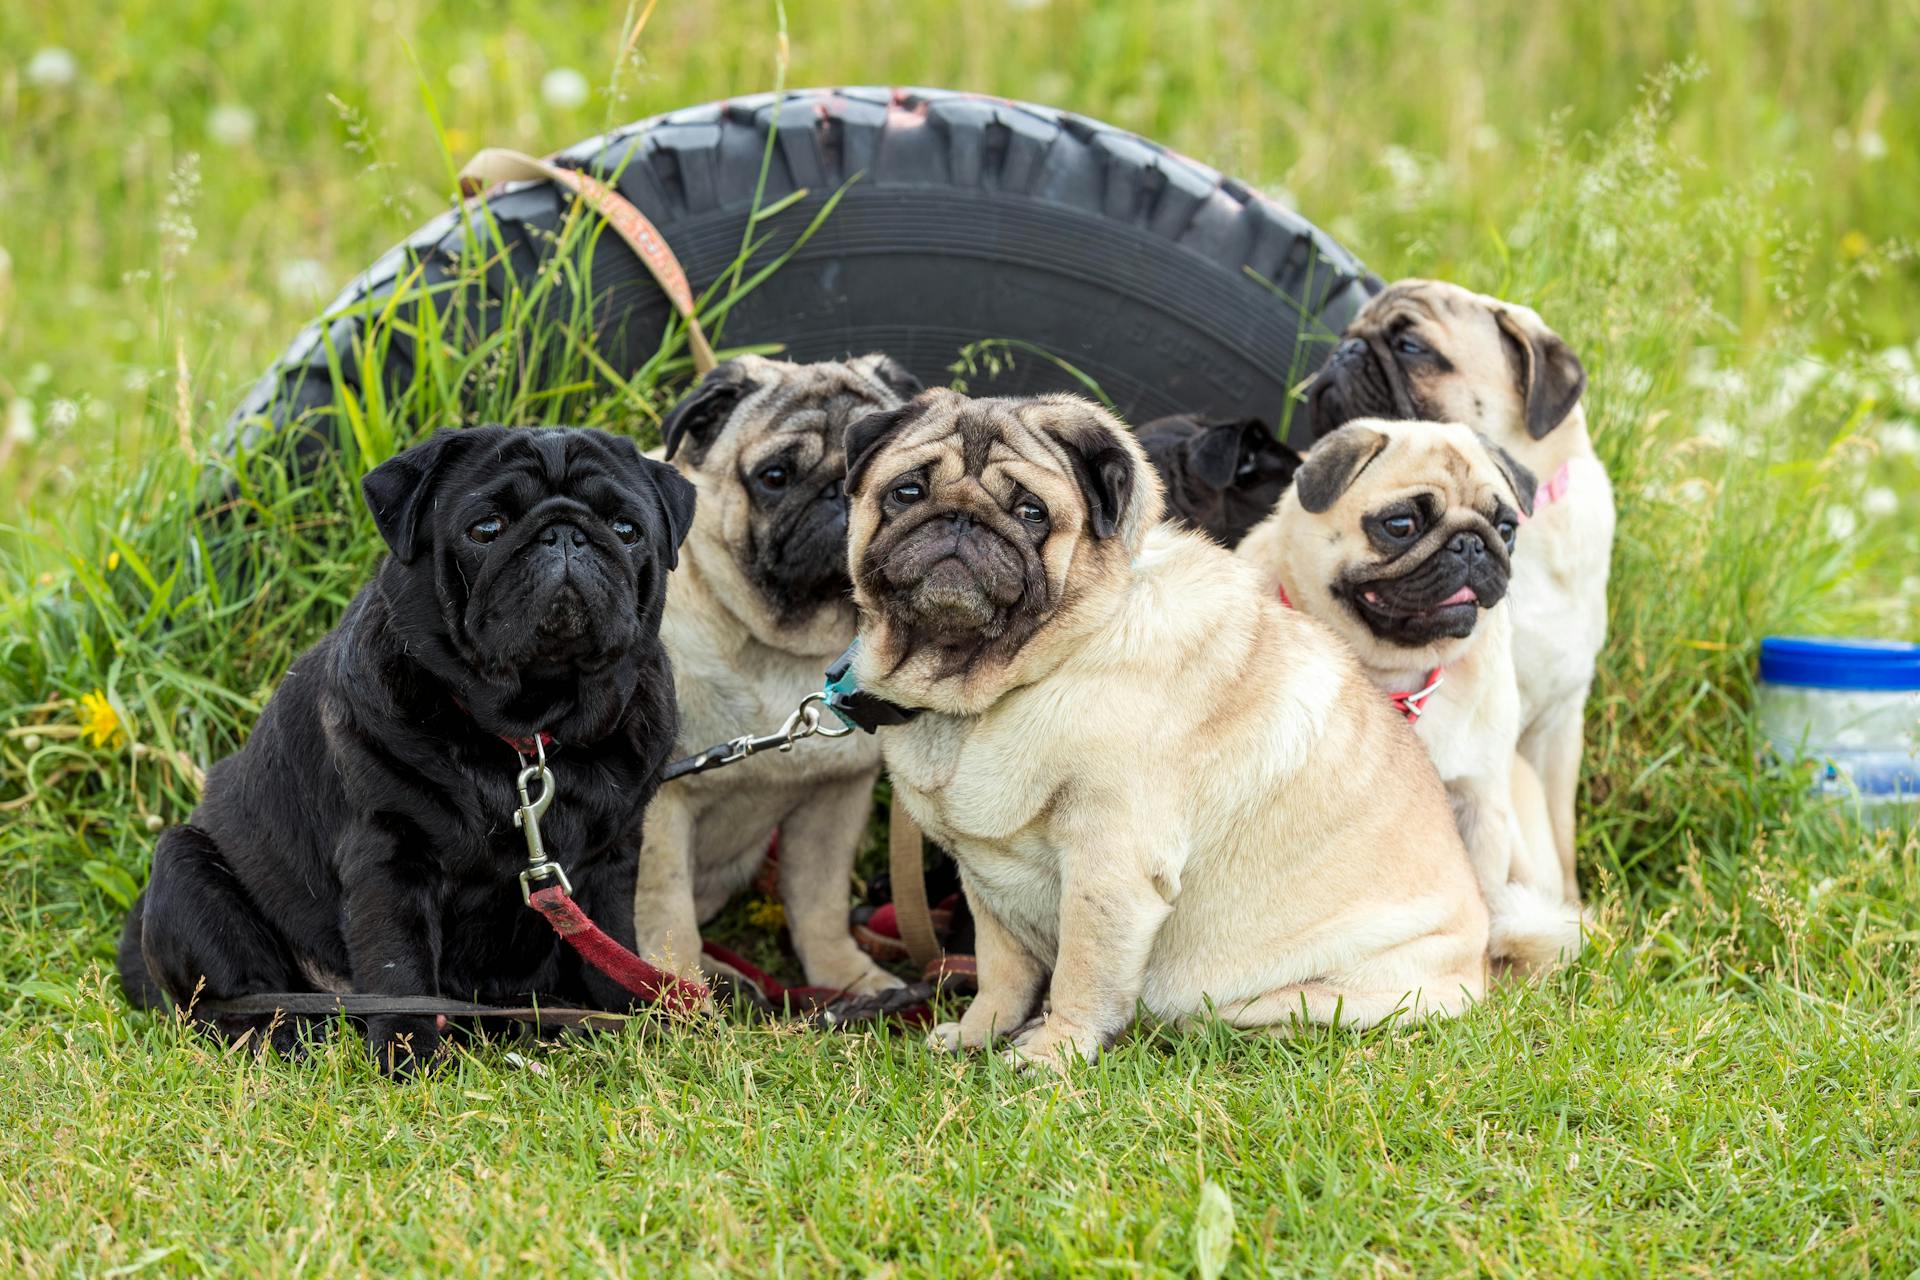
x=1464, y=570
x=953, y=576
x=566, y=592
x=805, y=565
x=1359, y=380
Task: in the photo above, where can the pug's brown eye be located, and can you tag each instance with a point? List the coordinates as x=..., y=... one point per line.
x=1030, y=510
x=907, y=492
x=1402, y=527
x=1408, y=345
x=1507, y=529
x=773, y=477
x=624, y=530
x=487, y=530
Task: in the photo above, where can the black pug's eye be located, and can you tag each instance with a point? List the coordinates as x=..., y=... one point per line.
x=1031, y=510
x=773, y=477
x=907, y=491
x=1401, y=527
x=625, y=531
x=487, y=530
x=1408, y=345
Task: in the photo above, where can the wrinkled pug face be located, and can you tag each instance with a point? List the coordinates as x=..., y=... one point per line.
x=981, y=527
x=1411, y=526
x=529, y=565
x=764, y=441
x=1425, y=349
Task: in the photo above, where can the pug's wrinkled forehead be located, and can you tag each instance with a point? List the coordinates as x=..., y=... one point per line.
x=758, y=406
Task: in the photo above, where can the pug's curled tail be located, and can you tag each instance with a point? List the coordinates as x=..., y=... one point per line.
x=1532, y=932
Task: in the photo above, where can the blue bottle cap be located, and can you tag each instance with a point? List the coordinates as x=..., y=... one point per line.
x=1815, y=662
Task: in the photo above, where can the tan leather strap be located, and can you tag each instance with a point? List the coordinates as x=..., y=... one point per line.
x=496, y=165
x=909, y=877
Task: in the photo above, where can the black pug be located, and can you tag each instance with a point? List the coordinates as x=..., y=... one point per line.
x=1221, y=477
x=363, y=839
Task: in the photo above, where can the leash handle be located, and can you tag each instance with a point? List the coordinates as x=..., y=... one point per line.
x=494, y=166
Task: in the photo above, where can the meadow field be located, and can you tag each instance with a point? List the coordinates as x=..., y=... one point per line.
x=1714, y=202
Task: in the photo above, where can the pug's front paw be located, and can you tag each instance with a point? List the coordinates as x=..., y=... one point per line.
x=404, y=1046
x=1052, y=1046
x=945, y=1038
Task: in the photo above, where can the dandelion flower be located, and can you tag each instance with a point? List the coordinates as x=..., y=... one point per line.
x=231, y=125
x=563, y=88
x=52, y=68
x=768, y=914
x=1880, y=501
x=99, y=722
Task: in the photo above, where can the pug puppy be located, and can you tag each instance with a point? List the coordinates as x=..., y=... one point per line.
x=1425, y=349
x=1220, y=477
x=1160, y=786
x=758, y=610
x=1400, y=537
x=362, y=840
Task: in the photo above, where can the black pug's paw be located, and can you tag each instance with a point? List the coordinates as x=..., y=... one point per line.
x=404, y=1045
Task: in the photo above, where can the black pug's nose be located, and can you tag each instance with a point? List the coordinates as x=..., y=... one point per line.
x=1468, y=546
x=563, y=537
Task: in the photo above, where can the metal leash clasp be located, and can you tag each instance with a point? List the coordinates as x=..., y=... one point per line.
x=527, y=818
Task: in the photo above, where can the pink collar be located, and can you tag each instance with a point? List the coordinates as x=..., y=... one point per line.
x=1411, y=703
x=527, y=747
x=1553, y=490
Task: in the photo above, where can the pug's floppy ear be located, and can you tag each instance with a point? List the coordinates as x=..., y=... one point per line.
x=1105, y=468
x=700, y=415
x=1552, y=378
x=1332, y=465
x=866, y=435
x=889, y=373
x=1520, y=476
x=1214, y=451
x=401, y=488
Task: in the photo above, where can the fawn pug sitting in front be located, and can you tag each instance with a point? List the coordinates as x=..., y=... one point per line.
x=1160, y=785
x=1400, y=536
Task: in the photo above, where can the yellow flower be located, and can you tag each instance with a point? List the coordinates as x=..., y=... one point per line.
x=113, y=561
x=99, y=721
x=1855, y=244
x=768, y=914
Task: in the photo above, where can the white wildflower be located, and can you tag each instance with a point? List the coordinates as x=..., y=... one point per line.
x=1693, y=492
x=62, y=413
x=1842, y=523
x=1484, y=137
x=1872, y=145
x=1717, y=432
x=303, y=279
x=20, y=428
x=463, y=75
x=563, y=89
x=1880, y=501
x=231, y=125
x=52, y=68
x=1901, y=438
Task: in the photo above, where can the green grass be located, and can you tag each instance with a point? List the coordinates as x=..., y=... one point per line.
x=1726, y=1083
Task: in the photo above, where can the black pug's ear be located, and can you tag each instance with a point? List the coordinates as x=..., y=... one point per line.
x=891, y=374
x=1331, y=466
x=1214, y=452
x=701, y=414
x=1519, y=476
x=1105, y=470
x=399, y=489
x=673, y=492
x=1551, y=376
x=866, y=435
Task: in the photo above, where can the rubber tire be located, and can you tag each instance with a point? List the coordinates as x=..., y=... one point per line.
x=972, y=218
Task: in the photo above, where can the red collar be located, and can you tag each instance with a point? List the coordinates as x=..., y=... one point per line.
x=1411, y=703
x=528, y=746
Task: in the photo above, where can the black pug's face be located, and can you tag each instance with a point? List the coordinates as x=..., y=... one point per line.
x=1221, y=477
x=530, y=565
x=1435, y=352
x=765, y=442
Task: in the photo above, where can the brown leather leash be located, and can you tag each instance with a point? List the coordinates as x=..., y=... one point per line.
x=493, y=167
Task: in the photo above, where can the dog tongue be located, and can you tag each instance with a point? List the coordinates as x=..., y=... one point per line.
x=1463, y=596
